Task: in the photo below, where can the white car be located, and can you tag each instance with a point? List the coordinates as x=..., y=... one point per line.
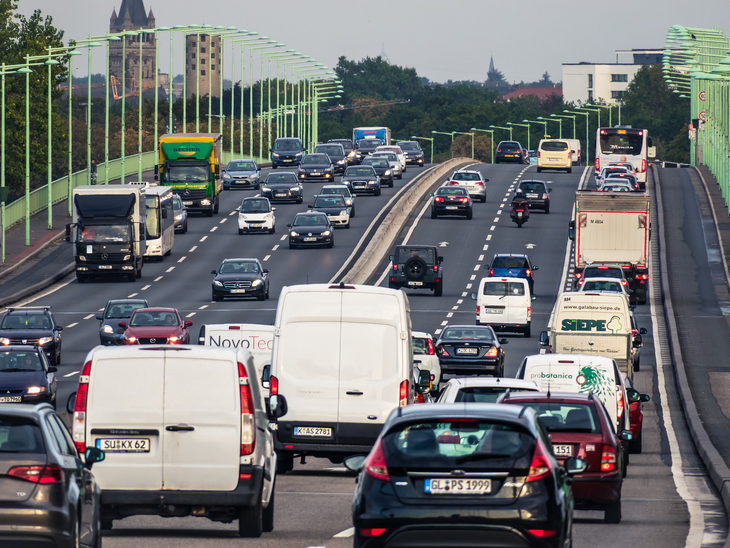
x=393, y=160
x=472, y=181
x=606, y=171
x=395, y=150
x=256, y=215
x=482, y=389
x=342, y=190
x=424, y=351
x=612, y=185
x=604, y=285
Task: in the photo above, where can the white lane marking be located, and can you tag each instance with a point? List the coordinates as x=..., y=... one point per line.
x=284, y=237
x=170, y=269
x=455, y=307
x=437, y=332
x=72, y=324
x=232, y=213
x=89, y=316
x=67, y=375
x=44, y=294
x=449, y=314
x=222, y=221
x=193, y=249
x=468, y=286
x=489, y=237
x=496, y=220
x=145, y=288
x=214, y=229
x=504, y=200
x=492, y=227
x=485, y=247
x=472, y=277
x=481, y=257
x=203, y=307
x=181, y=259
x=347, y=533
x=158, y=278
x=190, y=315
x=443, y=323
x=461, y=300
x=203, y=238
x=464, y=294
x=275, y=247
x=267, y=257
x=476, y=267
x=133, y=294
x=101, y=310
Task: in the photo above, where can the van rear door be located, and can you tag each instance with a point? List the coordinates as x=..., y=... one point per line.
x=202, y=422
x=125, y=419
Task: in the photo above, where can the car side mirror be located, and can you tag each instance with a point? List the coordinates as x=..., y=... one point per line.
x=473, y=296
x=424, y=382
x=123, y=325
x=265, y=271
x=288, y=226
x=575, y=466
x=214, y=272
x=273, y=209
x=535, y=268
x=58, y=328
x=644, y=398
x=486, y=180
x=633, y=395
x=391, y=258
x=544, y=338
x=643, y=331
x=52, y=369
x=550, y=190
x=100, y=316
x=571, y=230
x=277, y=407
x=310, y=206
x=187, y=323
x=71, y=403
x=92, y=455
x=354, y=463
x=626, y=435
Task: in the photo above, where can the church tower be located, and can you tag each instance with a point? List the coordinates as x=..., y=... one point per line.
x=132, y=16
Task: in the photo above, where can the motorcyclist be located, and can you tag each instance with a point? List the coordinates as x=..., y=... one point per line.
x=519, y=202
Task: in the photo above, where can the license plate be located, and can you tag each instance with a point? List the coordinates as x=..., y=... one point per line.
x=315, y=173
x=532, y=195
x=467, y=351
x=313, y=431
x=360, y=185
x=554, y=159
x=563, y=450
x=280, y=194
x=286, y=160
x=444, y=486
x=519, y=215
x=452, y=207
x=124, y=445
x=415, y=283
x=187, y=203
x=105, y=267
x=509, y=155
x=238, y=291
x=310, y=239
x=10, y=399
x=495, y=310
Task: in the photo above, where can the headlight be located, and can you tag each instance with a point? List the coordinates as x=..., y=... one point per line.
x=294, y=189
x=4, y=341
x=373, y=182
x=44, y=340
x=36, y=389
x=133, y=340
x=387, y=172
x=328, y=169
x=82, y=258
x=127, y=257
x=255, y=176
x=302, y=175
x=348, y=202
x=217, y=283
x=265, y=189
x=178, y=217
x=341, y=161
x=326, y=233
x=256, y=283
x=292, y=233
x=298, y=154
x=205, y=202
x=173, y=339
x=226, y=176
x=107, y=329
x=343, y=212
x=275, y=155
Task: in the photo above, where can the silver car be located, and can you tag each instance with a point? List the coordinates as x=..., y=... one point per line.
x=181, y=214
x=472, y=181
x=241, y=174
x=393, y=160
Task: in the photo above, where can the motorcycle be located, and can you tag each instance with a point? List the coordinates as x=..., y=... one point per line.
x=520, y=215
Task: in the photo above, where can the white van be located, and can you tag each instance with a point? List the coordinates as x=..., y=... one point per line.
x=582, y=374
x=184, y=432
x=575, y=152
x=505, y=304
x=342, y=362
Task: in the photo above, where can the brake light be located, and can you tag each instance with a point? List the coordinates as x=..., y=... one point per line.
x=643, y=165
x=435, y=268
x=79, y=419
x=463, y=200
x=528, y=272
x=542, y=533
x=403, y=394
x=491, y=272
x=578, y=275
x=431, y=349
x=538, y=153
x=375, y=464
x=452, y=183
x=420, y=399
x=641, y=277
x=478, y=183
x=624, y=282
x=395, y=267
x=580, y=281
x=540, y=466
x=479, y=311
x=248, y=428
x=529, y=312
x=492, y=352
x=499, y=150
x=438, y=199
x=598, y=164
x=38, y=474
x=608, y=459
x=274, y=386
x=544, y=196
x=620, y=403
x=634, y=332
x=372, y=532
x=238, y=327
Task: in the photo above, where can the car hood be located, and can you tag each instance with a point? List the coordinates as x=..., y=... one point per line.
x=25, y=333
x=15, y=380
x=154, y=331
x=246, y=173
x=312, y=167
x=331, y=210
x=281, y=186
x=310, y=229
x=256, y=216
x=236, y=277
x=360, y=178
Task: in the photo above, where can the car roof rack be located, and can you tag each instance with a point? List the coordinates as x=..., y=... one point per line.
x=46, y=307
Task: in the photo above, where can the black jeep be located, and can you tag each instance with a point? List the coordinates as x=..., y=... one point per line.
x=417, y=267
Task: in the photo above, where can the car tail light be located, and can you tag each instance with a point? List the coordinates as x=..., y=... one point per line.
x=372, y=531
x=274, y=386
x=478, y=183
x=544, y=196
x=431, y=349
x=528, y=272
x=578, y=275
x=643, y=165
x=492, y=352
x=598, y=164
x=248, y=428
x=438, y=199
x=580, y=281
x=641, y=277
x=624, y=283
x=634, y=332
x=395, y=267
x=608, y=459
x=38, y=474
x=499, y=150
x=403, y=394
x=538, y=153
x=542, y=533
x=529, y=312
x=441, y=351
x=452, y=183
x=464, y=200
x=420, y=399
x=491, y=272
x=479, y=311
x=540, y=465
x=79, y=418
x=620, y=403
x=375, y=464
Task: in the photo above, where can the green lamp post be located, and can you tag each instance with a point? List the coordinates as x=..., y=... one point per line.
x=560, y=134
x=504, y=128
x=544, y=124
x=491, y=136
x=586, y=114
x=522, y=125
x=472, y=140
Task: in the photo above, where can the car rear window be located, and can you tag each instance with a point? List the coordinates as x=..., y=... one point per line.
x=603, y=272
x=554, y=146
x=123, y=310
x=483, y=394
x=465, y=177
x=602, y=286
x=510, y=262
x=510, y=146
x=420, y=345
x=532, y=187
x=20, y=435
x=466, y=333
x=567, y=417
x=452, y=190
x=501, y=289
x=424, y=253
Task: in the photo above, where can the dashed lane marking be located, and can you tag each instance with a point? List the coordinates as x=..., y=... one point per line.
x=443, y=323
x=468, y=286
x=283, y=238
x=191, y=315
x=232, y=213
x=275, y=247
x=158, y=278
x=131, y=295
x=461, y=300
x=67, y=375
x=449, y=314
x=481, y=257
x=485, y=247
x=489, y=237
x=89, y=316
x=193, y=249
x=267, y=257
x=472, y=277
x=455, y=307
x=464, y=294
x=476, y=267
x=203, y=307
x=72, y=324
x=437, y=332
x=347, y=533
x=496, y=220
x=491, y=228
x=145, y=288
x=214, y=229
x=170, y=269
x=203, y=238
x=181, y=259
x=101, y=310
x=222, y=221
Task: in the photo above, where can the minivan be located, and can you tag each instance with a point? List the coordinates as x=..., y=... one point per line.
x=505, y=304
x=287, y=151
x=575, y=152
x=184, y=432
x=342, y=362
x=554, y=154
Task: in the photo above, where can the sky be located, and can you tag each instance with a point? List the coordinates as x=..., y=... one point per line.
x=442, y=40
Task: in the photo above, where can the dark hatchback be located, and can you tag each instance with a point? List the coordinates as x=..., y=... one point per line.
x=470, y=349
x=240, y=278
x=537, y=194
x=336, y=153
x=382, y=168
x=283, y=187
x=413, y=152
x=311, y=229
x=510, y=151
x=115, y=311
x=287, y=151
x=461, y=476
x=362, y=179
x=34, y=326
x=449, y=200
x=368, y=146
x=26, y=376
x=49, y=496
x=316, y=167
x=351, y=152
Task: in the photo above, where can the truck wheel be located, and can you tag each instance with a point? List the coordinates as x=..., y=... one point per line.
x=268, y=519
x=216, y=207
x=569, y=170
x=637, y=363
x=528, y=332
x=169, y=252
x=250, y=520
x=635, y=446
x=439, y=289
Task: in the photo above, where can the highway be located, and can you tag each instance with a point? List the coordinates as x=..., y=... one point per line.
x=665, y=484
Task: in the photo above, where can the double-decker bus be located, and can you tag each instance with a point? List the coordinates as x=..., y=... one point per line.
x=623, y=144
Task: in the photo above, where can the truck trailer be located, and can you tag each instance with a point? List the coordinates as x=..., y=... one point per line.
x=382, y=133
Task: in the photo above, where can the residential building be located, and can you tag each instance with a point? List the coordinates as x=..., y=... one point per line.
x=202, y=65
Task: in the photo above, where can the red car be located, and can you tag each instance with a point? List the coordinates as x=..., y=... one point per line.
x=579, y=426
x=156, y=326
x=635, y=413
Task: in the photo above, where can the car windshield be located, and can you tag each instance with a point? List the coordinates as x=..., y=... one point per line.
x=346, y=145
x=310, y=220
x=330, y=150
x=315, y=159
x=287, y=145
x=468, y=334
x=501, y=289
x=154, y=319
x=188, y=173
x=376, y=162
x=465, y=177
x=424, y=253
x=370, y=143
x=26, y=321
x=255, y=205
x=459, y=440
x=20, y=435
x=510, y=262
x=240, y=267
x=452, y=191
x=176, y=202
x=567, y=417
x=20, y=361
x=123, y=310
x=329, y=201
x=532, y=187
x=245, y=165
x=554, y=146
x=616, y=188
x=287, y=178
x=104, y=233
x=409, y=146
x=483, y=394
x=603, y=272
x=367, y=171
x=342, y=191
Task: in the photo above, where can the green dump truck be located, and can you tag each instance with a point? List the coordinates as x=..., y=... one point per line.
x=189, y=163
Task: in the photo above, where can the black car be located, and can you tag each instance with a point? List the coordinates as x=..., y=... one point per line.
x=35, y=326
x=368, y=146
x=537, y=194
x=50, y=497
x=283, y=187
x=451, y=200
x=336, y=153
x=26, y=376
x=460, y=475
x=240, y=278
x=334, y=206
x=382, y=169
x=470, y=349
x=416, y=267
x=316, y=167
x=115, y=311
x=362, y=179
x=412, y=150
x=510, y=151
x=287, y=151
x=311, y=229
x=351, y=152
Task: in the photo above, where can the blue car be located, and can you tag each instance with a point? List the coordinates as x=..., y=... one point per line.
x=513, y=266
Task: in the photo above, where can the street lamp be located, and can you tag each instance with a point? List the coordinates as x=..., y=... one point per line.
x=544, y=123
x=505, y=128
x=586, y=114
x=566, y=116
x=243, y=43
x=425, y=139
x=268, y=45
x=528, y=131
x=609, y=107
x=452, y=139
x=491, y=136
x=560, y=135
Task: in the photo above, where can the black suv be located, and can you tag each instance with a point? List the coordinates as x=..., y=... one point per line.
x=537, y=194
x=34, y=326
x=286, y=151
x=26, y=376
x=510, y=151
x=417, y=267
x=412, y=150
x=50, y=496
